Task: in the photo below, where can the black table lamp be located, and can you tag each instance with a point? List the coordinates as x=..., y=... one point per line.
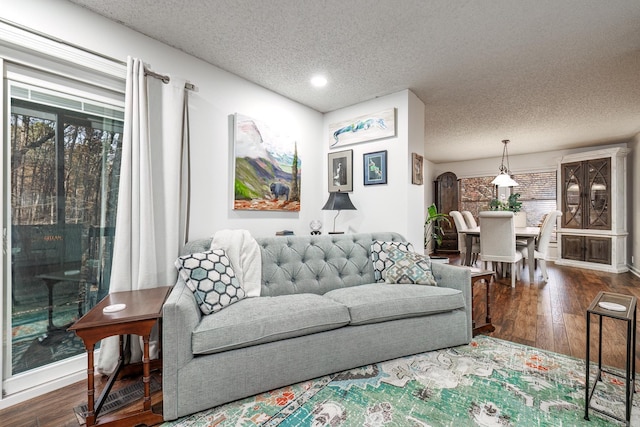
x=337, y=202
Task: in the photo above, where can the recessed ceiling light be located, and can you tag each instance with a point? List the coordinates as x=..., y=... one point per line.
x=319, y=81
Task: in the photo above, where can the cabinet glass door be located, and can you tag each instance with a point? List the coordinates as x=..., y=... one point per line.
x=572, y=202
x=599, y=194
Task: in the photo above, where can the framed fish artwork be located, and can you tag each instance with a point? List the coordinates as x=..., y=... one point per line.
x=368, y=127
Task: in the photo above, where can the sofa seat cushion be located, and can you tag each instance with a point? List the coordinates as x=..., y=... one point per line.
x=260, y=320
x=378, y=302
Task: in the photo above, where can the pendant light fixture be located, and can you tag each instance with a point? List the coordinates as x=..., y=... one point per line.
x=504, y=177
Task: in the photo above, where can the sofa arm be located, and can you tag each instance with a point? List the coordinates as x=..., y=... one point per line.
x=456, y=277
x=180, y=315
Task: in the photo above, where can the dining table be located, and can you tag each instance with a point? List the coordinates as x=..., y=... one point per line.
x=522, y=233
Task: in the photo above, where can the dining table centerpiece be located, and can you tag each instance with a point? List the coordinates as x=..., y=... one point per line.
x=509, y=204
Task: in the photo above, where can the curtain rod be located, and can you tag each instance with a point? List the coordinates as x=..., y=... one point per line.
x=165, y=79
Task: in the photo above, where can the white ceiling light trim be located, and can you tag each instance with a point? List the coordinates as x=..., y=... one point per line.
x=319, y=81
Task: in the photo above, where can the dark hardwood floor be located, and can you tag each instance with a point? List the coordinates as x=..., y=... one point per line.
x=549, y=316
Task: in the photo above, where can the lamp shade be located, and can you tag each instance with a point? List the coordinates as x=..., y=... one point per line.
x=338, y=201
x=504, y=180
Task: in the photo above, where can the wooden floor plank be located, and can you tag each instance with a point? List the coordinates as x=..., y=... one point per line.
x=560, y=339
x=544, y=333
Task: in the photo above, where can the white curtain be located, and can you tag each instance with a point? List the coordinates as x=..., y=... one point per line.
x=153, y=194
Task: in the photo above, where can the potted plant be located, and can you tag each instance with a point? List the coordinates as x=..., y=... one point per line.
x=511, y=204
x=434, y=230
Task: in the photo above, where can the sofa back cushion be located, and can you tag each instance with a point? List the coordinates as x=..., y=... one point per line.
x=312, y=264
x=317, y=264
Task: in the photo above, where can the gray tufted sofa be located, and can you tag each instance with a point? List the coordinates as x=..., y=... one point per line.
x=319, y=312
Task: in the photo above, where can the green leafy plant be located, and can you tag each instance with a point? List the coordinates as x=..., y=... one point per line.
x=433, y=228
x=511, y=204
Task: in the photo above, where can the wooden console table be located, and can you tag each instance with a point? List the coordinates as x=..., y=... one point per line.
x=143, y=310
x=478, y=276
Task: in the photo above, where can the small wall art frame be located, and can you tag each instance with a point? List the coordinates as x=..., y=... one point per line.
x=417, y=175
x=340, y=165
x=368, y=127
x=375, y=168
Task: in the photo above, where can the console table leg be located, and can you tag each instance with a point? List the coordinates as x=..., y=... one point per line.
x=91, y=415
x=146, y=374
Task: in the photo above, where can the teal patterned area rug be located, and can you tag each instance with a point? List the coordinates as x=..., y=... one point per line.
x=489, y=382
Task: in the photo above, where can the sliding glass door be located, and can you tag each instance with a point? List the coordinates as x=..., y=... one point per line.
x=62, y=162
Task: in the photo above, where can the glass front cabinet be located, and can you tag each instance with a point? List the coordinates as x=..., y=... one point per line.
x=591, y=192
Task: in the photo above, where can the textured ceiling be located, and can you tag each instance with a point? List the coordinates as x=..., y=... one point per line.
x=547, y=74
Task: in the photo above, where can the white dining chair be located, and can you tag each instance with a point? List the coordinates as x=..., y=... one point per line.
x=542, y=244
x=520, y=219
x=461, y=227
x=469, y=219
x=498, y=241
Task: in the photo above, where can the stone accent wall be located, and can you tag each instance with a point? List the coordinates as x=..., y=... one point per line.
x=538, y=194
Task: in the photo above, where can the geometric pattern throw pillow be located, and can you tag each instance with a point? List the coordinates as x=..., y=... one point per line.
x=408, y=268
x=379, y=256
x=210, y=276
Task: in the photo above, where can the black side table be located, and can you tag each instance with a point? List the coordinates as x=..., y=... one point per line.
x=628, y=315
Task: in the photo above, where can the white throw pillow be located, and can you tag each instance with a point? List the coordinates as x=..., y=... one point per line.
x=245, y=255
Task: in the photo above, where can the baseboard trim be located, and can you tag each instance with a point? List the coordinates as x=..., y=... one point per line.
x=39, y=390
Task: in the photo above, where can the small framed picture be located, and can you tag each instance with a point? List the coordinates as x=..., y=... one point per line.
x=416, y=169
x=340, y=171
x=375, y=168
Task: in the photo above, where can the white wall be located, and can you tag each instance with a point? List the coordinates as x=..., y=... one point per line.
x=633, y=206
x=219, y=94
x=398, y=205
x=416, y=202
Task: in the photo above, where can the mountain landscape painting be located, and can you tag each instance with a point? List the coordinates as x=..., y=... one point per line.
x=267, y=168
